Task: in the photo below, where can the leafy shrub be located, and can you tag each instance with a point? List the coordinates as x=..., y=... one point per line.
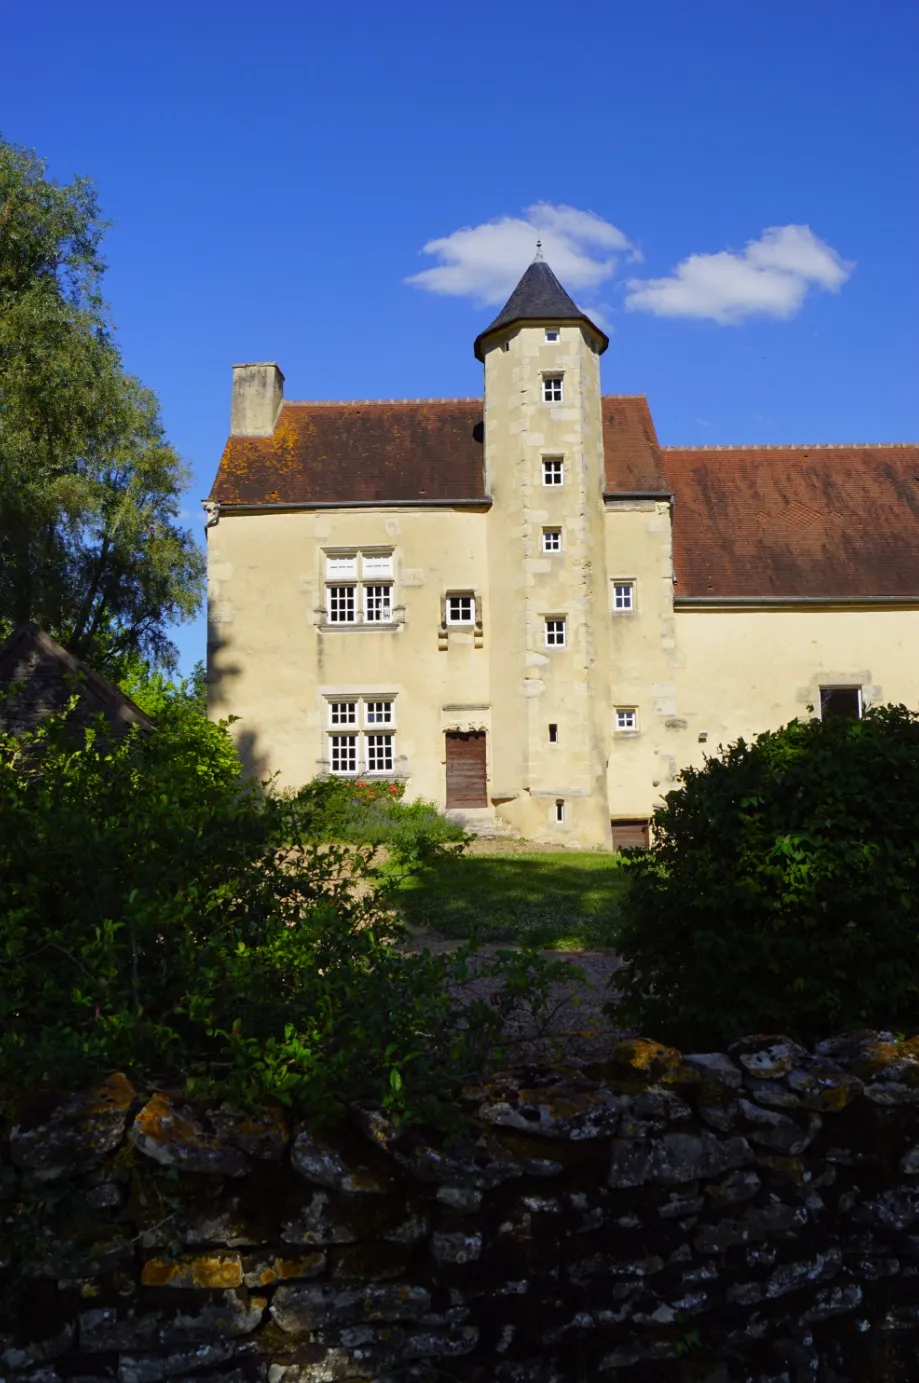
x=781, y=891
x=157, y=917
x=373, y=813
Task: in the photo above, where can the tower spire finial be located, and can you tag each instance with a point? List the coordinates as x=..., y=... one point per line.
x=538, y=259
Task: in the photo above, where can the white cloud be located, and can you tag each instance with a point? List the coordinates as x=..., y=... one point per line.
x=770, y=279
x=486, y=261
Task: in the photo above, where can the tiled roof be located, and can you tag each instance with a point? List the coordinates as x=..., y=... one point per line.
x=350, y=452
x=795, y=521
x=538, y=297
x=748, y=521
x=630, y=447
x=409, y=449
x=38, y=677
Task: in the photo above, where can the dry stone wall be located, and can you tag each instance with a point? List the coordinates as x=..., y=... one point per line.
x=676, y=1219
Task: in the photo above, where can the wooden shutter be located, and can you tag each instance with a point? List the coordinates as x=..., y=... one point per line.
x=630, y=835
x=466, y=769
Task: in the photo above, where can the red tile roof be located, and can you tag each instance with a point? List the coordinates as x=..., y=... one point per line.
x=748, y=521
x=347, y=452
x=323, y=453
x=795, y=521
x=633, y=458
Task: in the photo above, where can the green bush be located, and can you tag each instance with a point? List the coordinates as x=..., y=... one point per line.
x=158, y=917
x=781, y=891
x=373, y=813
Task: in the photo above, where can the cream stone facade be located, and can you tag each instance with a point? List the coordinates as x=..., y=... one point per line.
x=498, y=603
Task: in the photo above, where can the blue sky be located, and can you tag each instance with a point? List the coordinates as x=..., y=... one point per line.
x=274, y=174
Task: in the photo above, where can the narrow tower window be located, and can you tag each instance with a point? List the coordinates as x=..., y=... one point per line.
x=623, y=595
x=560, y=812
x=553, y=734
x=555, y=633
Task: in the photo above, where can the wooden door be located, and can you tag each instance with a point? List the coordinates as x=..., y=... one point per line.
x=630, y=835
x=466, y=769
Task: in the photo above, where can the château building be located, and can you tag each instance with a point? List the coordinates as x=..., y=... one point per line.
x=528, y=608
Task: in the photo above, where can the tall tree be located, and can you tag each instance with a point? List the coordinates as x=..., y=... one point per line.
x=91, y=546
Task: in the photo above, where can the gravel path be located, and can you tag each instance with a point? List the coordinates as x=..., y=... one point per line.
x=578, y=1031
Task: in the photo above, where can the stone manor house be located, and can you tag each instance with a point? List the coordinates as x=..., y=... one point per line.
x=525, y=606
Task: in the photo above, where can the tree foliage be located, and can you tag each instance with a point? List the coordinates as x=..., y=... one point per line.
x=91, y=547
x=781, y=891
x=156, y=918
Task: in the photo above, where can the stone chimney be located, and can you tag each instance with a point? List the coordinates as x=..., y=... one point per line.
x=258, y=391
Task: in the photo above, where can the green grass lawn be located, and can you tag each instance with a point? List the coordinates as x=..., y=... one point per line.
x=555, y=900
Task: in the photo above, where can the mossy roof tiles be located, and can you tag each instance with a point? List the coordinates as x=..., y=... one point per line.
x=795, y=521
x=748, y=521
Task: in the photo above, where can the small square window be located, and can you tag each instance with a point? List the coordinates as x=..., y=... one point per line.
x=553, y=734
x=841, y=701
x=342, y=607
x=552, y=540
x=553, y=470
x=379, y=754
x=553, y=334
x=623, y=595
x=343, y=753
x=555, y=633
x=552, y=388
x=560, y=812
x=461, y=609
x=378, y=712
x=342, y=712
x=626, y=719
x=378, y=604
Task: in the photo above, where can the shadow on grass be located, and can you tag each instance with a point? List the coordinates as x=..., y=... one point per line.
x=554, y=901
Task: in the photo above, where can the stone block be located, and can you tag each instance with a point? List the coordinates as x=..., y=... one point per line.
x=76, y=1133
x=310, y=1308
x=176, y=1136
x=194, y=1271
x=570, y=1108
x=322, y=1163
x=103, y=1329
x=154, y=1368
x=675, y=1158
x=263, y=1270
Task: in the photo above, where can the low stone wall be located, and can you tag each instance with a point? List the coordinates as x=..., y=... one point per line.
x=753, y=1216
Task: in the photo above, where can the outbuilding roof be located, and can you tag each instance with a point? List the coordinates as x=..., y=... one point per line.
x=38, y=678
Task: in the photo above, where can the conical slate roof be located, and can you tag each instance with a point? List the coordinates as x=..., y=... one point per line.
x=538, y=297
